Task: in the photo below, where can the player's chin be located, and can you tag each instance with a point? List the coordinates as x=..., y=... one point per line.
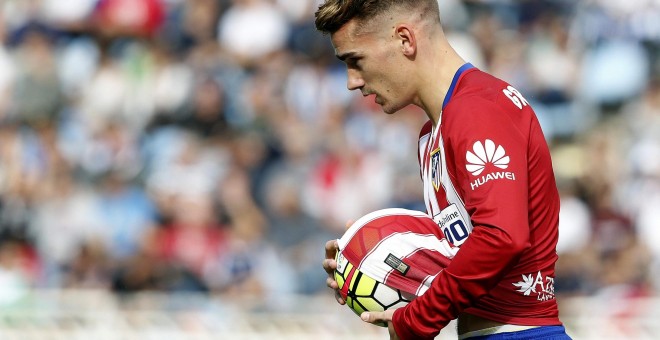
x=391, y=109
x=391, y=105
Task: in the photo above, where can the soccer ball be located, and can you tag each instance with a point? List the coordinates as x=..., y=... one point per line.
x=364, y=294
x=388, y=257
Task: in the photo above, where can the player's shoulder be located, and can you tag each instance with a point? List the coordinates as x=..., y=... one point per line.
x=483, y=96
x=477, y=88
x=476, y=77
x=483, y=102
x=472, y=109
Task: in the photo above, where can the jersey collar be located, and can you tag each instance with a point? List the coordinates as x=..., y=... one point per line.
x=457, y=76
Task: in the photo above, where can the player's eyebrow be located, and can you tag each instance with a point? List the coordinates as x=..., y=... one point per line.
x=344, y=56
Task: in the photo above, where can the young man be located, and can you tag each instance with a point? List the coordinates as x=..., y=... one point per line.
x=486, y=170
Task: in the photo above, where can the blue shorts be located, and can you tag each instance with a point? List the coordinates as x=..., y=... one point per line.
x=538, y=333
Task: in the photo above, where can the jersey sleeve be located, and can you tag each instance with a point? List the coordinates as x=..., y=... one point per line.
x=487, y=160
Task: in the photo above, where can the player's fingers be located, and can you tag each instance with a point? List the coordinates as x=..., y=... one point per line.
x=329, y=266
x=339, y=298
x=377, y=317
x=331, y=248
x=331, y=283
x=372, y=317
x=349, y=223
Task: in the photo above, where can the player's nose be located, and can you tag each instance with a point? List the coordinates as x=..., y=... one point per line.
x=355, y=80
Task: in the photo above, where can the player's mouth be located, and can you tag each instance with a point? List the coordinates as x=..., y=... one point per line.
x=375, y=97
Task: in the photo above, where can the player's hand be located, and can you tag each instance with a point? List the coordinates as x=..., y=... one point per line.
x=381, y=317
x=329, y=265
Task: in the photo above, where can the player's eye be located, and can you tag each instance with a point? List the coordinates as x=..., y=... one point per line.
x=353, y=63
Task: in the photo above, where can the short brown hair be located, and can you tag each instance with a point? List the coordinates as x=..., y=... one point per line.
x=333, y=14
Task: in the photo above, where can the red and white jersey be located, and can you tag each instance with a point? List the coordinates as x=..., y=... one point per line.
x=490, y=187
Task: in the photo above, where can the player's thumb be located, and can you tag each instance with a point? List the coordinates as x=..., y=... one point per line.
x=371, y=317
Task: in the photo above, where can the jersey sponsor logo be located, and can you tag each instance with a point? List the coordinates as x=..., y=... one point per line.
x=485, y=153
x=537, y=286
x=436, y=170
x=452, y=225
x=485, y=156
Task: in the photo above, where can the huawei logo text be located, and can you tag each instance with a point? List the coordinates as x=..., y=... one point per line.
x=483, y=154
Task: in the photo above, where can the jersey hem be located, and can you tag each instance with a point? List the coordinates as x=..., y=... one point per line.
x=522, y=320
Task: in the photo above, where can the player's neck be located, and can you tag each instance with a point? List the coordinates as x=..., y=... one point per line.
x=435, y=84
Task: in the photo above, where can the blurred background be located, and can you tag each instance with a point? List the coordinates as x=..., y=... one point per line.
x=171, y=169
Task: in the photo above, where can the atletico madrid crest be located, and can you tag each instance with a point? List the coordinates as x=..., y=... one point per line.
x=436, y=170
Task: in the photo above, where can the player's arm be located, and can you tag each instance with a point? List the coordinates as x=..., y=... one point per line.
x=461, y=284
x=498, y=210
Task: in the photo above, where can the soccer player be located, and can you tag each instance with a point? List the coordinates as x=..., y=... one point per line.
x=486, y=170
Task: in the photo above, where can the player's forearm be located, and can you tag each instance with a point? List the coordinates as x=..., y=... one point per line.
x=413, y=322
x=477, y=268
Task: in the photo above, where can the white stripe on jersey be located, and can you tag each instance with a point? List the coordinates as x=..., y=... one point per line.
x=450, y=190
x=425, y=149
x=427, y=145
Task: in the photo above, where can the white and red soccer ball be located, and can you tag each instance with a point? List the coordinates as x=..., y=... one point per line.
x=389, y=257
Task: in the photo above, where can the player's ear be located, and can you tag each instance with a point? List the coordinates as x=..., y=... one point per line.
x=407, y=38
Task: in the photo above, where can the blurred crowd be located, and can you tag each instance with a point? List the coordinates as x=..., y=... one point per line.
x=211, y=145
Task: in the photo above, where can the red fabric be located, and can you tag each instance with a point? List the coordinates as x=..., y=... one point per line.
x=504, y=271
